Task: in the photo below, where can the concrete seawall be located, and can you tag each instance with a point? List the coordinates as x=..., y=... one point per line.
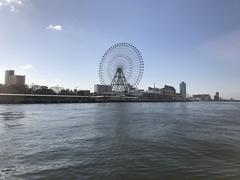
x=32, y=98
x=36, y=99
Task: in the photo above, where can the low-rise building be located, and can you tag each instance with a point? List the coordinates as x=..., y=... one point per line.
x=83, y=93
x=135, y=92
x=153, y=89
x=100, y=89
x=168, y=91
x=179, y=97
x=202, y=97
x=151, y=95
x=57, y=89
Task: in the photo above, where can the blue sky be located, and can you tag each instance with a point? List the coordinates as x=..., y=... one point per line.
x=61, y=42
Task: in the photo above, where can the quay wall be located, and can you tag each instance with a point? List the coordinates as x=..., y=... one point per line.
x=36, y=99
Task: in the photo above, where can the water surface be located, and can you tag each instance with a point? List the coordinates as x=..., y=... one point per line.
x=120, y=141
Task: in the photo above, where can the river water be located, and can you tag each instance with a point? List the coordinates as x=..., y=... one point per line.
x=120, y=141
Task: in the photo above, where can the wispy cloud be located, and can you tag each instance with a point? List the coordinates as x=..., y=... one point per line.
x=11, y=4
x=25, y=67
x=55, y=27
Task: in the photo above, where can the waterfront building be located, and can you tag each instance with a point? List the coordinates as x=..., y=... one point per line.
x=14, y=80
x=183, y=90
x=168, y=91
x=153, y=89
x=135, y=92
x=179, y=97
x=152, y=95
x=202, y=97
x=57, y=89
x=35, y=87
x=216, y=97
x=100, y=89
x=83, y=93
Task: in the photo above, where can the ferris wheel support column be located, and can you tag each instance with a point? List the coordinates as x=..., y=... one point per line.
x=119, y=82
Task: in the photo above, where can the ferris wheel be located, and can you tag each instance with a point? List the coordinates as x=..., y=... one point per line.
x=121, y=66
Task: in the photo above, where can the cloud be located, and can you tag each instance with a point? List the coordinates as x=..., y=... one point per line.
x=11, y=4
x=223, y=48
x=25, y=67
x=55, y=27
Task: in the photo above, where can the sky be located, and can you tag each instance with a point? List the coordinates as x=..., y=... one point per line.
x=61, y=42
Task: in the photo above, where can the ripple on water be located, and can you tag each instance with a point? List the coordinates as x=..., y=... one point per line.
x=120, y=141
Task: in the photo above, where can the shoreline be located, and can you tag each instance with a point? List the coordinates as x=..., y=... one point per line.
x=58, y=99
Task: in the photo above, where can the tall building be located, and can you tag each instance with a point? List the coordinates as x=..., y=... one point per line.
x=14, y=80
x=8, y=75
x=183, y=90
x=216, y=97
